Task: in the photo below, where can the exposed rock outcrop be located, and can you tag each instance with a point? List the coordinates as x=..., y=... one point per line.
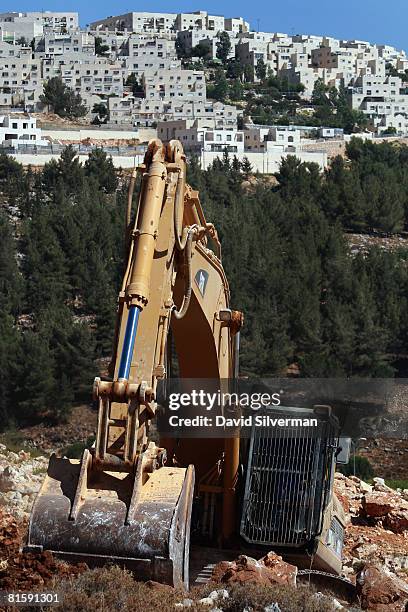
x=271, y=569
x=379, y=591
x=21, y=477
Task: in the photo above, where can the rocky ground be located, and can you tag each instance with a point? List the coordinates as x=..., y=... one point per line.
x=377, y=529
x=375, y=554
x=387, y=456
x=361, y=243
x=42, y=439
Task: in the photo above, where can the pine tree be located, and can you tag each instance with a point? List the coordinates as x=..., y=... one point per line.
x=100, y=167
x=223, y=47
x=236, y=90
x=63, y=100
x=246, y=167
x=220, y=90
x=260, y=69
x=34, y=393
x=10, y=366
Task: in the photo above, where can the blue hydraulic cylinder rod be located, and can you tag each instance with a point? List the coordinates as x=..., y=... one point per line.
x=129, y=342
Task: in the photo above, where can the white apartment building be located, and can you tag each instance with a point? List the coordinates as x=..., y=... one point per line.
x=141, y=112
x=55, y=20
x=152, y=45
x=93, y=78
x=150, y=65
x=353, y=58
x=166, y=130
x=304, y=76
x=151, y=53
x=401, y=64
x=19, y=75
x=137, y=22
x=103, y=79
x=183, y=85
x=249, y=52
x=7, y=50
x=199, y=20
x=191, y=38
x=70, y=42
x=117, y=42
x=21, y=29
x=170, y=22
x=383, y=100
x=20, y=129
x=263, y=139
x=198, y=136
x=25, y=24
x=390, y=54
x=326, y=57
x=236, y=25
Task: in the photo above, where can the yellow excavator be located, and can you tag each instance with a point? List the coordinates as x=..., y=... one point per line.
x=128, y=500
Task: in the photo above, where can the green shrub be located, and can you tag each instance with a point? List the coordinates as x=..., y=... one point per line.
x=358, y=466
x=397, y=483
x=74, y=451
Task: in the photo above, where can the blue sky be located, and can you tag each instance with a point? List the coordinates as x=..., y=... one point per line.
x=373, y=20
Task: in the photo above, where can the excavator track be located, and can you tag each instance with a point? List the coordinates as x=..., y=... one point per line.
x=340, y=585
x=201, y=572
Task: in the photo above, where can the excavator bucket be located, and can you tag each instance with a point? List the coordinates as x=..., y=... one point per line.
x=137, y=520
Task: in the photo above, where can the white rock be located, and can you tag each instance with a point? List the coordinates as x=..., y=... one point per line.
x=365, y=487
x=272, y=608
x=379, y=485
x=219, y=594
x=206, y=601
x=186, y=603
x=16, y=496
x=379, y=481
x=336, y=604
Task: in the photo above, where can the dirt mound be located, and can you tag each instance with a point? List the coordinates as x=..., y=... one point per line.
x=26, y=571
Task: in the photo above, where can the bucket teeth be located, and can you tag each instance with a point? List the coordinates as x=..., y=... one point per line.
x=140, y=521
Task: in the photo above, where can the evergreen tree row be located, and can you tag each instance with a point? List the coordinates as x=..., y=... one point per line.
x=61, y=252
x=306, y=299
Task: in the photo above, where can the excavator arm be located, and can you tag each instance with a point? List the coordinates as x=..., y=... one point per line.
x=128, y=500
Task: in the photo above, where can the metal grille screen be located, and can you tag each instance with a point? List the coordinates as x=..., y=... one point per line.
x=288, y=476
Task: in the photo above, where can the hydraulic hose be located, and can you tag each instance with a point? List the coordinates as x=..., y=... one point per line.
x=179, y=314
x=131, y=189
x=180, y=242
